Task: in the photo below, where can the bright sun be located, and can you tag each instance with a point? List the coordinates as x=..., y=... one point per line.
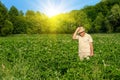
x=52, y=12
x=52, y=7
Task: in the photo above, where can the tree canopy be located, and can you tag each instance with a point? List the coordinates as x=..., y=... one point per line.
x=103, y=17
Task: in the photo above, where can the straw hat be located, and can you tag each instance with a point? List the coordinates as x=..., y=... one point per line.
x=81, y=29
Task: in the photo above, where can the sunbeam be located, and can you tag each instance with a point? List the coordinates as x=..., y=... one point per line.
x=52, y=7
x=55, y=7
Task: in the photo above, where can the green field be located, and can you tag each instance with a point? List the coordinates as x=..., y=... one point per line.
x=55, y=57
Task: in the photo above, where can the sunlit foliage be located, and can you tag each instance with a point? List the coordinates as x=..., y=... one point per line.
x=104, y=17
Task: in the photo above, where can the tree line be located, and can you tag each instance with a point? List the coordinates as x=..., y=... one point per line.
x=103, y=17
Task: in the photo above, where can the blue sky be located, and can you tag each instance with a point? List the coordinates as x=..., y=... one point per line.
x=47, y=6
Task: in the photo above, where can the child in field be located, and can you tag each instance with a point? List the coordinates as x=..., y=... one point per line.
x=85, y=43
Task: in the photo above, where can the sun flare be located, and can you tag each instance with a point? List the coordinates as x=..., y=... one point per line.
x=52, y=12
x=52, y=7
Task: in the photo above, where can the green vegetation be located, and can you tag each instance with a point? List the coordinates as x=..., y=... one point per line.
x=104, y=17
x=55, y=57
x=30, y=54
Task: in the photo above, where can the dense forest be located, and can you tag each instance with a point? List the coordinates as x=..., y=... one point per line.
x=103, y=17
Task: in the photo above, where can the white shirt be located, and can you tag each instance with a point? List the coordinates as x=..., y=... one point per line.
x=84, y=41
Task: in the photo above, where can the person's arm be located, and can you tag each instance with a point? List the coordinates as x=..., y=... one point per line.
x=75, y=33
x=91, y=49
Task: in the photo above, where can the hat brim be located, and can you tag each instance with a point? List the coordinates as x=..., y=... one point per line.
x=81, y=31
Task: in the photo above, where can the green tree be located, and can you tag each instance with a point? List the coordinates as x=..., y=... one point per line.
x=109, y=28
x=38, y=22
x=63, y=23
x=91, y=12
x=99, y=23
x=7, y=29
x=13, y=11
x=114, y=17
x=21, y=13
x=3, y=15
x=82, y=19
x=21, y=25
